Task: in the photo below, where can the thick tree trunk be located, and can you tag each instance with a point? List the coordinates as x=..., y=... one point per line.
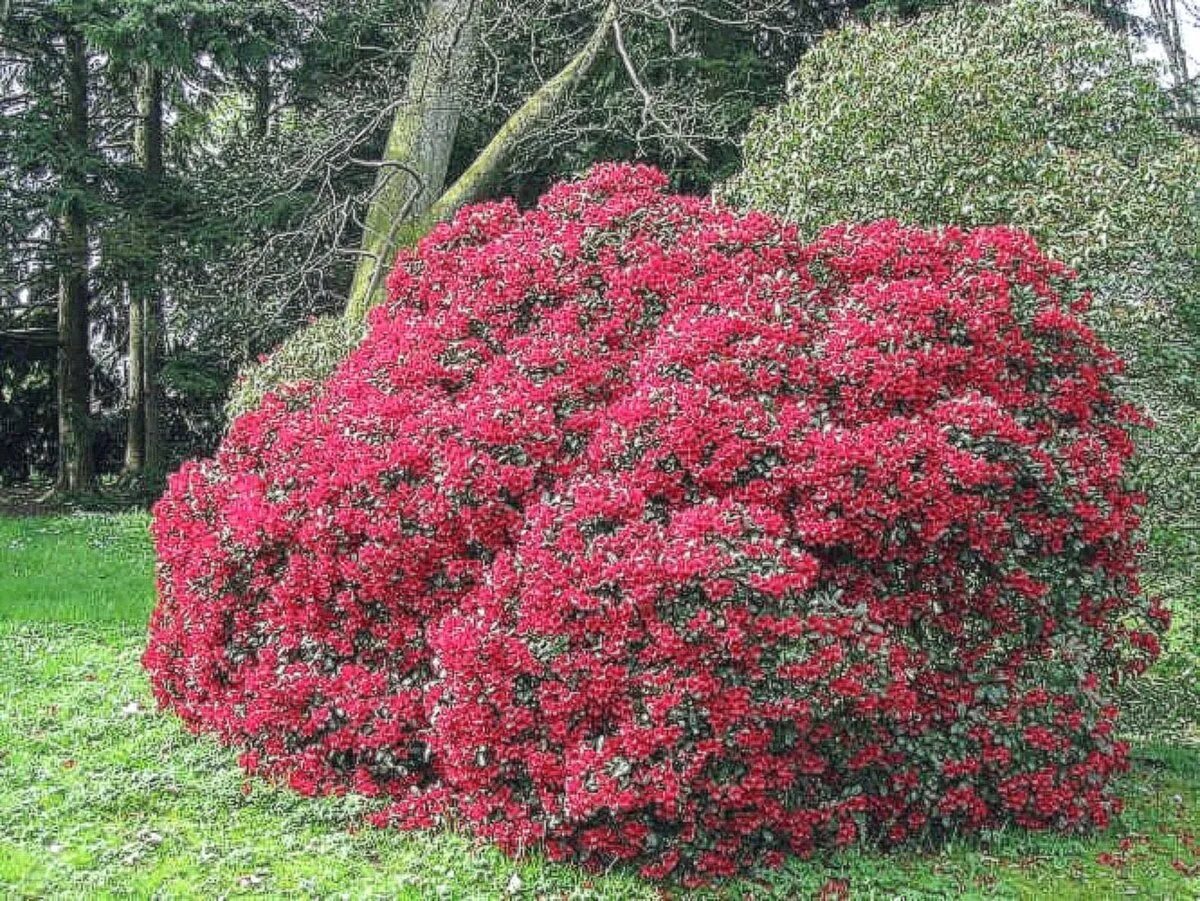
x=418, y=212
x=412, y=172
x=76, y=463
x=540, y=106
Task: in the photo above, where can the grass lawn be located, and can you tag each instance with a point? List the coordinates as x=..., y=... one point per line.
x=87, y=567
x=102, y=796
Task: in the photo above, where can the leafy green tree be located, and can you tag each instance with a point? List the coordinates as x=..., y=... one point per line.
x=50, y=185
x=153, y=52
x=94, y=189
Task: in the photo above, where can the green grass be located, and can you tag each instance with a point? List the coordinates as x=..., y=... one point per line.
x=102, y=796
x=86, y=567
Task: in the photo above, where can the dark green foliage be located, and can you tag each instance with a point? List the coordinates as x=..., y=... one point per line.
x=27, y=412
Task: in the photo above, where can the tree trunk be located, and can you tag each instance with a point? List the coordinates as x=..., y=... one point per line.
x=418, y=212
x=148, y=142
x=135, y=430
x=154, y=334
x=534, y=111
x=149, y=147
x=143, y=453
x=413, y=169
x=76, y=462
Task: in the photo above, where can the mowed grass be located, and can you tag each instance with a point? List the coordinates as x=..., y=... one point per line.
x=103, y=796
x=84, y=567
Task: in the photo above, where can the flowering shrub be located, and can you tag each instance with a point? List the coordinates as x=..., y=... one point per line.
x=643, y=531
x=1032, y=113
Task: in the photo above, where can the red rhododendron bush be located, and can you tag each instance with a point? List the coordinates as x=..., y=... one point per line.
x=639, y=530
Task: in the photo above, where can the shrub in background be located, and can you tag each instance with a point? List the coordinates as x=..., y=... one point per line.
x=643, y=531
x=306, y=358
x=1026, y=113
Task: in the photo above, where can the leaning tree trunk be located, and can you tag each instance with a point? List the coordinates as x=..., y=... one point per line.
x=540, y=106
x=394, y=216
x=76, y=462
x=149, y=147
x=413, y=169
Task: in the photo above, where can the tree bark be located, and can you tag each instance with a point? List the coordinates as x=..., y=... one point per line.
x=261, y=122
x=135, y=429
x=149, y=147
x=154, y=334
x=76, y=461
x=143, y=441
x=413, y=169
x=540, y=105
x=399, y=216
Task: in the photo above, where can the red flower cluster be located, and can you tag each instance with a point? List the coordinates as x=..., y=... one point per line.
x=639, y=530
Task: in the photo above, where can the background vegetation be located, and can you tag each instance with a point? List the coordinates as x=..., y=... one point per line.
x=184, y=185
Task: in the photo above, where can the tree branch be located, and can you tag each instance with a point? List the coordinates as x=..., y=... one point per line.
x=541, y=104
